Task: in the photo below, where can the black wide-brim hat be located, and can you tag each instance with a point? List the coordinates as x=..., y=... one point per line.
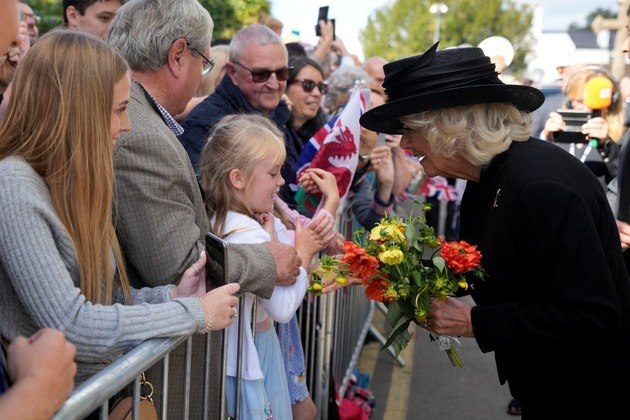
x=443, y=79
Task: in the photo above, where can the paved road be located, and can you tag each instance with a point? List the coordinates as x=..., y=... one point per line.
x=429, y=387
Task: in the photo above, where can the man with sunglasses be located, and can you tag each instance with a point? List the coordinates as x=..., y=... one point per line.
x=257, y=73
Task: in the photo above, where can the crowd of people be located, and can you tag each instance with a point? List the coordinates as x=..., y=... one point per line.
x=126, y=136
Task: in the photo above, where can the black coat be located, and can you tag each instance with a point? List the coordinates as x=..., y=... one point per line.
x=555, y=307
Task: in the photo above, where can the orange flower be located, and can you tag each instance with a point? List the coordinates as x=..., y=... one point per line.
x=376, y=288
x=360, y=264
x=461, y=257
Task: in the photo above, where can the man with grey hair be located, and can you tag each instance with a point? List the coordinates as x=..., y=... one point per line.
x=257, y=74
x=160, y=216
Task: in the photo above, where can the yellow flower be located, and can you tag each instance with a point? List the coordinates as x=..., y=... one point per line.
x=391, y=256
x=388, y=231
x=463, y=284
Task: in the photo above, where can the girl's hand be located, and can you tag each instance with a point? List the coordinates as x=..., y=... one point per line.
x=193, y=282
x=335, y=246
x=267, y=221
x=313, y=238
x=596, y=128
x=219, y=306
x=320, y=181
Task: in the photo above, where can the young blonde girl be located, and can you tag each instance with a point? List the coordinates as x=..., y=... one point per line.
x=240, y=174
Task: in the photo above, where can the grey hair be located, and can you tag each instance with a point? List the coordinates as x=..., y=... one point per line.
x=477, y=132
x=144, y=30
x=341, y=82
x=257, y=34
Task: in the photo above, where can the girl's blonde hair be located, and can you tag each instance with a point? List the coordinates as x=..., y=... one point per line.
x=476, y=132
x=237, y=142
x=58, y=121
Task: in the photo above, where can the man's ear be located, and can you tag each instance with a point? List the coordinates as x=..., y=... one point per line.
x=176, y=56
x=230, y=70
x=237, y=179
x=72, y=15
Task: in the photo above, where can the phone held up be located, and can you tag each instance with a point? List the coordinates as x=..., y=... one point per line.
x=323, y=15
x=216, y=266
x=574, y=121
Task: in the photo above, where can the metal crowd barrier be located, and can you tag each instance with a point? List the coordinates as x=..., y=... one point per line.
x=333, y=327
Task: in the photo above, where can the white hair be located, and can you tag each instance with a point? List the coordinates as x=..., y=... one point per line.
x=258, y=35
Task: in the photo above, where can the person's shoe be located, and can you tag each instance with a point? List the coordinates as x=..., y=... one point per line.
x=514, y=408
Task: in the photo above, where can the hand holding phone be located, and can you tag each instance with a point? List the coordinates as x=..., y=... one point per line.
x=216, y=266
x=322, y=15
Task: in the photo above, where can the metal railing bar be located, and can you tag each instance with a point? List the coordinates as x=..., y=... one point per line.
x=91, y=394
x=187, y=372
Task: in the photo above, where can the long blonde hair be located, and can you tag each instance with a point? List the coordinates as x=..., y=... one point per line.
x=237, y=142
x=58, y=120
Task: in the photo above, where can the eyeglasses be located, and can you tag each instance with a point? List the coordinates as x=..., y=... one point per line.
x=36, y=18
x=262, y=75
x=308, y=85
x=208, y=63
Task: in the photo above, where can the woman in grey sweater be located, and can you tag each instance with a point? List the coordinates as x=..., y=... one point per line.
x=60, y=262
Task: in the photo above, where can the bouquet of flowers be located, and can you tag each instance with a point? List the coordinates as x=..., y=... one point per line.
x=404, y=265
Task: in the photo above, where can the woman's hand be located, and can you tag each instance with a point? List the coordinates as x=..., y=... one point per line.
x=450, y=317
x=624, y=234
x=554, y=123
x=596, y=128
x=332, y=285
x=43, y=366
x=193, y=282
x=219, y=306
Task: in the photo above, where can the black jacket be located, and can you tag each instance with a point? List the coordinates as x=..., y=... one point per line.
x=555, y=307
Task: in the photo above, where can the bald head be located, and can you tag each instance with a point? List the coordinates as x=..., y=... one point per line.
x=373, y=66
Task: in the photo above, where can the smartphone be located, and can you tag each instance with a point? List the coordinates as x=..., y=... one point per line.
x=334, y=30
x=216, y=266
x=322, y=15
x=380, y=140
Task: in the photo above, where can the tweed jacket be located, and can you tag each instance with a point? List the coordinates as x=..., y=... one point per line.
x=161, y=225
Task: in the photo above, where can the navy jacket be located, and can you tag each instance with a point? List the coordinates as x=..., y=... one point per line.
x=555, y=306
x=226, y=100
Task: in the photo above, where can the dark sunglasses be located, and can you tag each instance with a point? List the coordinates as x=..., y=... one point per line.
x=262, y=75
x=308, y=85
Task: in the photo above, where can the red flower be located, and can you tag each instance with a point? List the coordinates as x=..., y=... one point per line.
x=360, y=264
x=376, y=288
x=461, y=257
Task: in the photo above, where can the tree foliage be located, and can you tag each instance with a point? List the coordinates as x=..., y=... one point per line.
x=231, y=15
x=406, y=27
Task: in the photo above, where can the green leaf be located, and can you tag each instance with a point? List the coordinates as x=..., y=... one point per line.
x=415, y=276
x=439, y=263
x=401, y=336
x=394, y=313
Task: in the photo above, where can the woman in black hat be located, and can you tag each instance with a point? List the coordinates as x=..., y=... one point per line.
x=555, y=305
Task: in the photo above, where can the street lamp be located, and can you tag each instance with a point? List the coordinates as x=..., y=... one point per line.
x=437, y=9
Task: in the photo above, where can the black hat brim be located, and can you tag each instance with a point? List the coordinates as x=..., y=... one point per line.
x=385, y=118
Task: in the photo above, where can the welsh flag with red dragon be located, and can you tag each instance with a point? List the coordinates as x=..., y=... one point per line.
x=334, y=148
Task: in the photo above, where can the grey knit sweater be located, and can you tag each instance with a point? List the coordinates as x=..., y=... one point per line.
x=39, y=281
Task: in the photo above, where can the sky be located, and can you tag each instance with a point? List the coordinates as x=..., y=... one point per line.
x=351, y=15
